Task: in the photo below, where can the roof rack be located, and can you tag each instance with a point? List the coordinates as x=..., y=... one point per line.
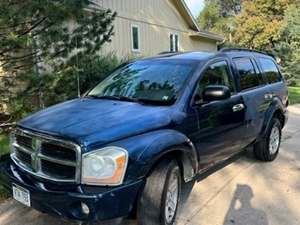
x=248, y=50
x=168, y=52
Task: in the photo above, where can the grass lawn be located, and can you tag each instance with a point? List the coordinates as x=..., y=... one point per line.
x=4, y=148
x=294, y=95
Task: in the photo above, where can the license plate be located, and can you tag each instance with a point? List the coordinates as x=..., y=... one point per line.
x=21, y=195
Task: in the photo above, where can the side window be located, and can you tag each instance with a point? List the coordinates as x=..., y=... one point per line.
x=216, y=74
x=248, y=77
x=174, y=42
x=135, y=37
x=270, y=70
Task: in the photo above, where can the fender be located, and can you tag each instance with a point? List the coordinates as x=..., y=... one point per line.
x=275, y=106
x=147, y=149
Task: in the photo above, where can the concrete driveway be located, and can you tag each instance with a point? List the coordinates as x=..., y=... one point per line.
x=246, y=192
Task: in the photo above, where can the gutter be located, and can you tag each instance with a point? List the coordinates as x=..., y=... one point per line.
x=208, y=35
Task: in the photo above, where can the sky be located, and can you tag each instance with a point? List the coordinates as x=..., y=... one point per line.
x=195, y=6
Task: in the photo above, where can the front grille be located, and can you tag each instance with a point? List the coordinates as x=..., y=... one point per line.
x=60, y=152
x=58, y=170
x=24, y=141
x=23, y=157
x=46, y=157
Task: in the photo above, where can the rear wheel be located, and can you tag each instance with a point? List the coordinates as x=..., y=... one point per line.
x=267, y=149
x=158, y=203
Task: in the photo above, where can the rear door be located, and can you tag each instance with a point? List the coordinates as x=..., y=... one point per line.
x=221, y=123
x=254, y=91
x=272, y=74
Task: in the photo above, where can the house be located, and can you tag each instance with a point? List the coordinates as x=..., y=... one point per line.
x=149, y=27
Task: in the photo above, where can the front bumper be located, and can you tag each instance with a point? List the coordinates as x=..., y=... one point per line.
x=65, y=201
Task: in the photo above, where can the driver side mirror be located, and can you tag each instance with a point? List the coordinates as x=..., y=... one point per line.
x=216, y=93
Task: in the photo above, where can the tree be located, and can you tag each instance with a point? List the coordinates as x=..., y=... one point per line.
x=288, y=49
x=35, y=31
x=259, y=24
x=268, y=25
x=218, y=16
x=42, y=43
x=209, y=16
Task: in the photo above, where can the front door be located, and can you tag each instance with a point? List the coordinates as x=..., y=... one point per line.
x=221, y=123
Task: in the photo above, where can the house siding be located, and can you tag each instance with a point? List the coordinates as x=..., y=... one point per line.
x=156, y=22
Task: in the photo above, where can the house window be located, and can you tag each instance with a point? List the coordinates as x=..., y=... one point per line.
x=135, y=34
x=174, y=42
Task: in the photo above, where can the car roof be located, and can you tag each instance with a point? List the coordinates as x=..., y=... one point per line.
x=194, y=56
x=205, y=56
x=236, y=52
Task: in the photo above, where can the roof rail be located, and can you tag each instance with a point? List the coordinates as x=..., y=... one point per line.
x=248, y=50
x=169, y=52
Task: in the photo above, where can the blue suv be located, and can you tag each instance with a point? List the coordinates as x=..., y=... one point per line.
x=127, y=146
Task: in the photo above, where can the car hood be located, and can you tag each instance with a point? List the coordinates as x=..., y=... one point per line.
x=94, y=121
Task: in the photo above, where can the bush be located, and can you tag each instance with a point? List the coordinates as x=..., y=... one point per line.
x=43, y=90
x=85, y=74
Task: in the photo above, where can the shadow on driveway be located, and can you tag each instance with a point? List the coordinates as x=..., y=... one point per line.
x=241, y=210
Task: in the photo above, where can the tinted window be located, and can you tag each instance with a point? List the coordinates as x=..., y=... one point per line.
x=153, y=81
x=216, y=74
x=270, y=70
x=247, y=76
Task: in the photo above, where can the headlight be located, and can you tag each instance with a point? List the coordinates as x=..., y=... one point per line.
x=105, y=166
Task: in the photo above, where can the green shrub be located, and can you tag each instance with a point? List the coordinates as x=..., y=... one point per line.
x=43, y=90
x=86, y=73
x=4, y=144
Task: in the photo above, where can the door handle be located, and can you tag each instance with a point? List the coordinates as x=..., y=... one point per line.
x=268, y=96
x=238, y=107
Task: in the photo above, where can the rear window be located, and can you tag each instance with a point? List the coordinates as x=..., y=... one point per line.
x=248, y=77
x=270, y=70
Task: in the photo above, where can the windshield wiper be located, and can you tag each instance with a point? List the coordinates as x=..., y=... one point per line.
x=171, y=101
x=145, y=100
x=129, y=99
x=103, y=97
x=138, y=100
x=114, y=97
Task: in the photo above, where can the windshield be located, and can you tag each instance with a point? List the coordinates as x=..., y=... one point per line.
x=148, y=81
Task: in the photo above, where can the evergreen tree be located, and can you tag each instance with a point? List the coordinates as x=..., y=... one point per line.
x=52, y=38
x=36, y=32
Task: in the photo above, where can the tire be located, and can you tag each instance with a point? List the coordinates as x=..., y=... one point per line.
x=262, y=149
x=153, y=200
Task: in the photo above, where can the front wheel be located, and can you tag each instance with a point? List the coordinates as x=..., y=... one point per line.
x=267, y=149
x=159, y=200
